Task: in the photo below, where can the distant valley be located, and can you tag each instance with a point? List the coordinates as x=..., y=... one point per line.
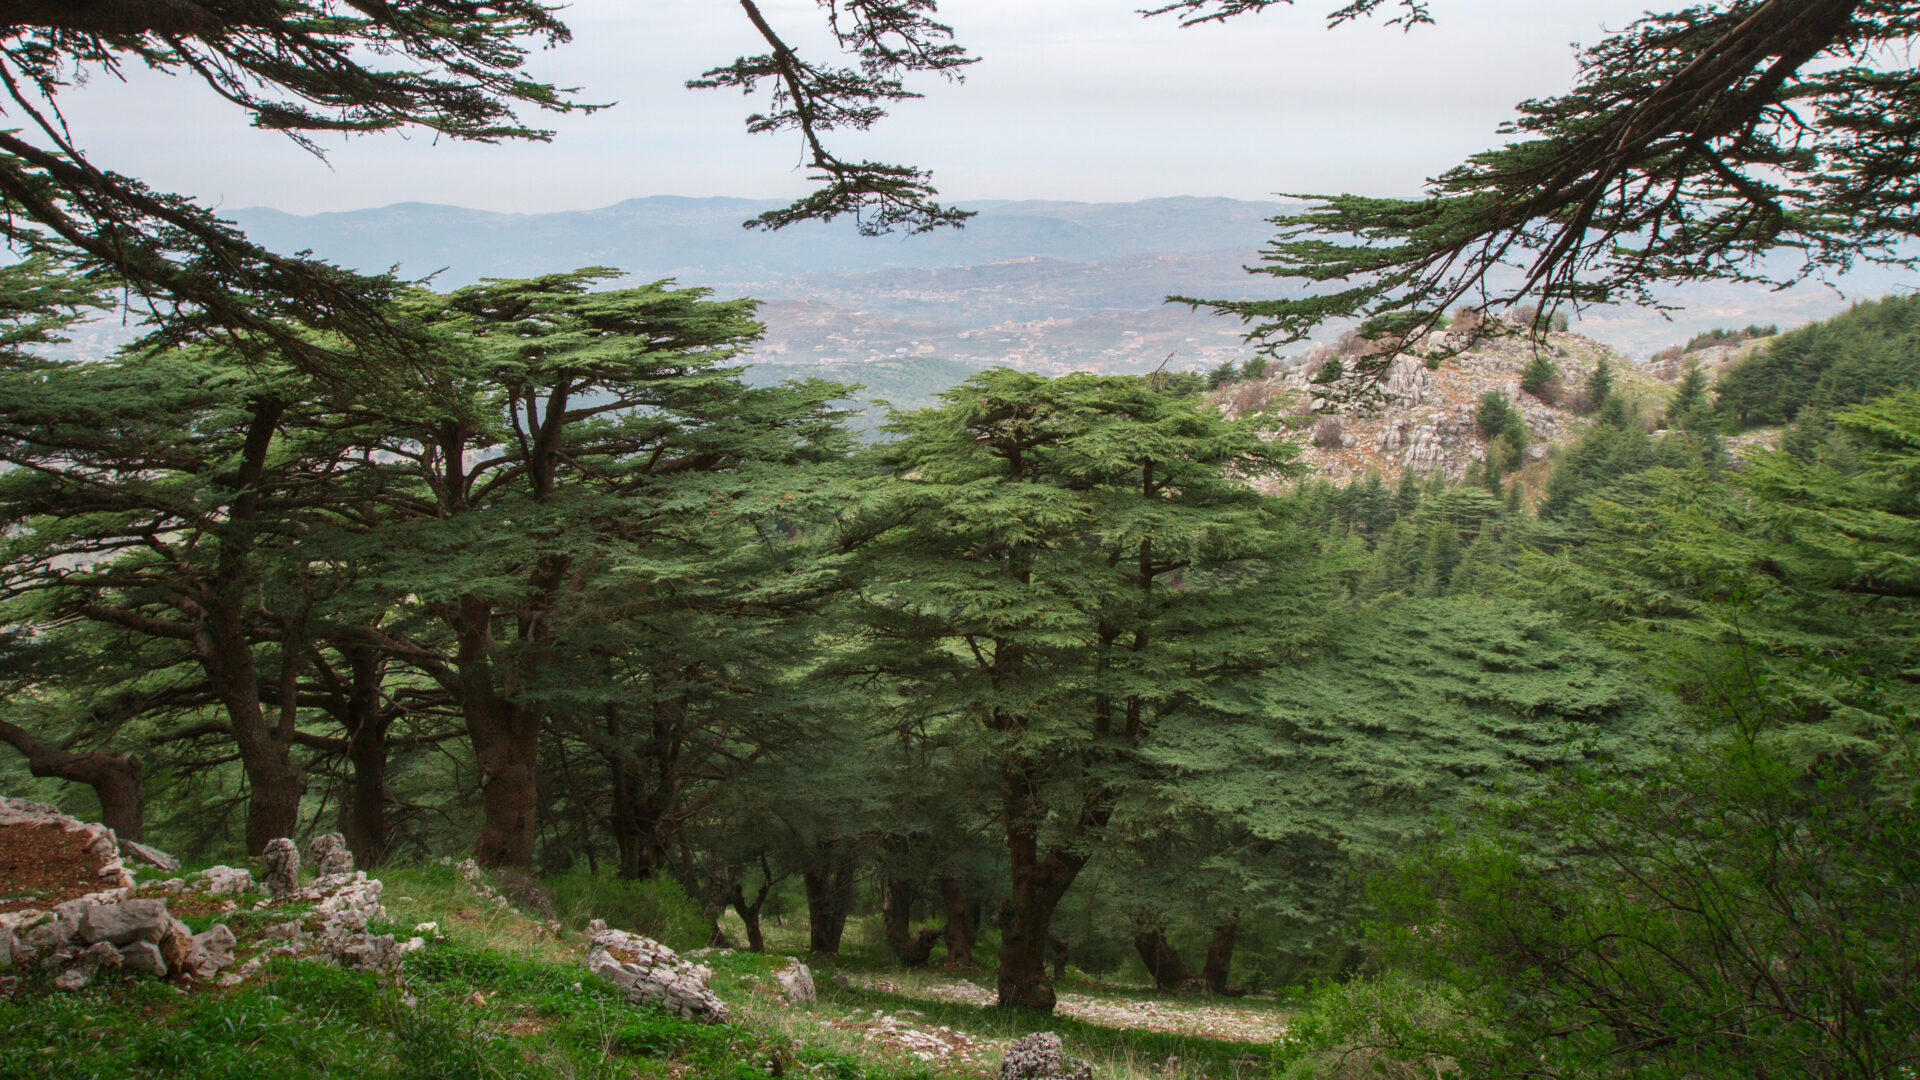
x=1043, y=286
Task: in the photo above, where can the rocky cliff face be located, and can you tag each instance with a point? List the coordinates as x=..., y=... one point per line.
x=1422, y=417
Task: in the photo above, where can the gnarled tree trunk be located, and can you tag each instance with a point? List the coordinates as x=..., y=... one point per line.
x=1039, y=880
x=959, y=929
x=1163, y=962
x=116, y=778
x=1220, y=958
x=829, y=888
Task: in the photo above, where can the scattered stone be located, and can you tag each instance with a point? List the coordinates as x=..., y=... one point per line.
x=649, y=971
x=796, y=983
x=72, y=979
x=152, y=856
x=226, y=880
x=125, y=923
x=1040, y=1056
x=212, y=951
x=98, y=957
x=329, y=855
x=142, y=958
x=280, y=868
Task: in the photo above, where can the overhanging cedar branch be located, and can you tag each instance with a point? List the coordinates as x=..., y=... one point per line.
x=1694, y=144
x=889, y=39
x=452, y=67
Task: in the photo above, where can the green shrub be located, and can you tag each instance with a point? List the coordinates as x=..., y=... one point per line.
x=658, y=907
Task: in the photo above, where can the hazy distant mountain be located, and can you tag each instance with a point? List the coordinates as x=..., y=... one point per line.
x=700, y=240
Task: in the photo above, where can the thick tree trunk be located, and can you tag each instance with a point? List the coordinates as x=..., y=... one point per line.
x=829, y=888
x=225, y=650
x=896, y=915
x=1220, y=958
x=959, y=929
x=506, y=747
x=1163, y=962
x=1038, y=882
x=117, y=780
x=750, y=914
x=364, y=816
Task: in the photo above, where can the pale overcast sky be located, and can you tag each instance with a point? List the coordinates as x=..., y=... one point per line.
x=1073, y=99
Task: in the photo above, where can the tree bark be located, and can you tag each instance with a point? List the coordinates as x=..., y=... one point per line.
x=364, y=816
x=225, y=649
x=829, y=888
x=959, y=929
x=750, y=913
x=1059, y=949
x=117, y=779
x=1039, y=880
x=1163, y=962
x=506, y=747
x=1220, y=958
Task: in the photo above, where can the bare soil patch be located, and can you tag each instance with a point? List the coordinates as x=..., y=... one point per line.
x=42, y=865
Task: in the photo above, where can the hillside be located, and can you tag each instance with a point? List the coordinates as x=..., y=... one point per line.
x=1422, y=419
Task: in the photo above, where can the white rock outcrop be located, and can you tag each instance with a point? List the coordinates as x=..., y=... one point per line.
x=650, y=972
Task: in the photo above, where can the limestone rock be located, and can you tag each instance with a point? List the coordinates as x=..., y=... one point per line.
x=796, y=983
x=280, y=868
x=1040, y=1056
x=649, y=971
x=143, y=958
x=329, y=855
x=72, y=979
x=212, y=951
x=176, y=944
x=125, y=923
x=152, y=856
x=98, y=957
x=226, y=880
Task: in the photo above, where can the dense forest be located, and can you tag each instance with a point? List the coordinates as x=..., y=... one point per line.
x=1039, y=677
x=1596, y=762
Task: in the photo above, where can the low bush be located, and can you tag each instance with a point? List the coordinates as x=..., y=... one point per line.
x=657, y=908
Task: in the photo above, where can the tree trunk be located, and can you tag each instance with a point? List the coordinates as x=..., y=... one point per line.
x=117, y=779
x=750, y=913
x=1038, y=881
x=959, y=929
x=896, y=915
x=224, y=647
x=364, y=815
x=829, y=889
x=1220, y=958
x=1059, y=948
x=1163, y=963
x=506, y=746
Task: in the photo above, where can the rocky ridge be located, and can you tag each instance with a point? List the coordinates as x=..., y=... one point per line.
x=1421, y=415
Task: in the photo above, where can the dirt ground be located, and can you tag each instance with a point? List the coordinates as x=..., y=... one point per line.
x=42, y=865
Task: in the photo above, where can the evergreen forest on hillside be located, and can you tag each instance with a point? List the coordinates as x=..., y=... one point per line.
x=613, y=693
x=1040, y=679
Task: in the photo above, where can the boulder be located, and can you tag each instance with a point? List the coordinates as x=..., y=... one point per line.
x=72, y=979
x=143, y=958
x=47, y=937
x=280, y=868
x=176, y=943
x=796, y=983
x=211, y=952
x=329, y=855
x=649, y=971
x=126, y=922
x=98, y=957
x=226, y=880
x=1040, y=1056
x=152, y=856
